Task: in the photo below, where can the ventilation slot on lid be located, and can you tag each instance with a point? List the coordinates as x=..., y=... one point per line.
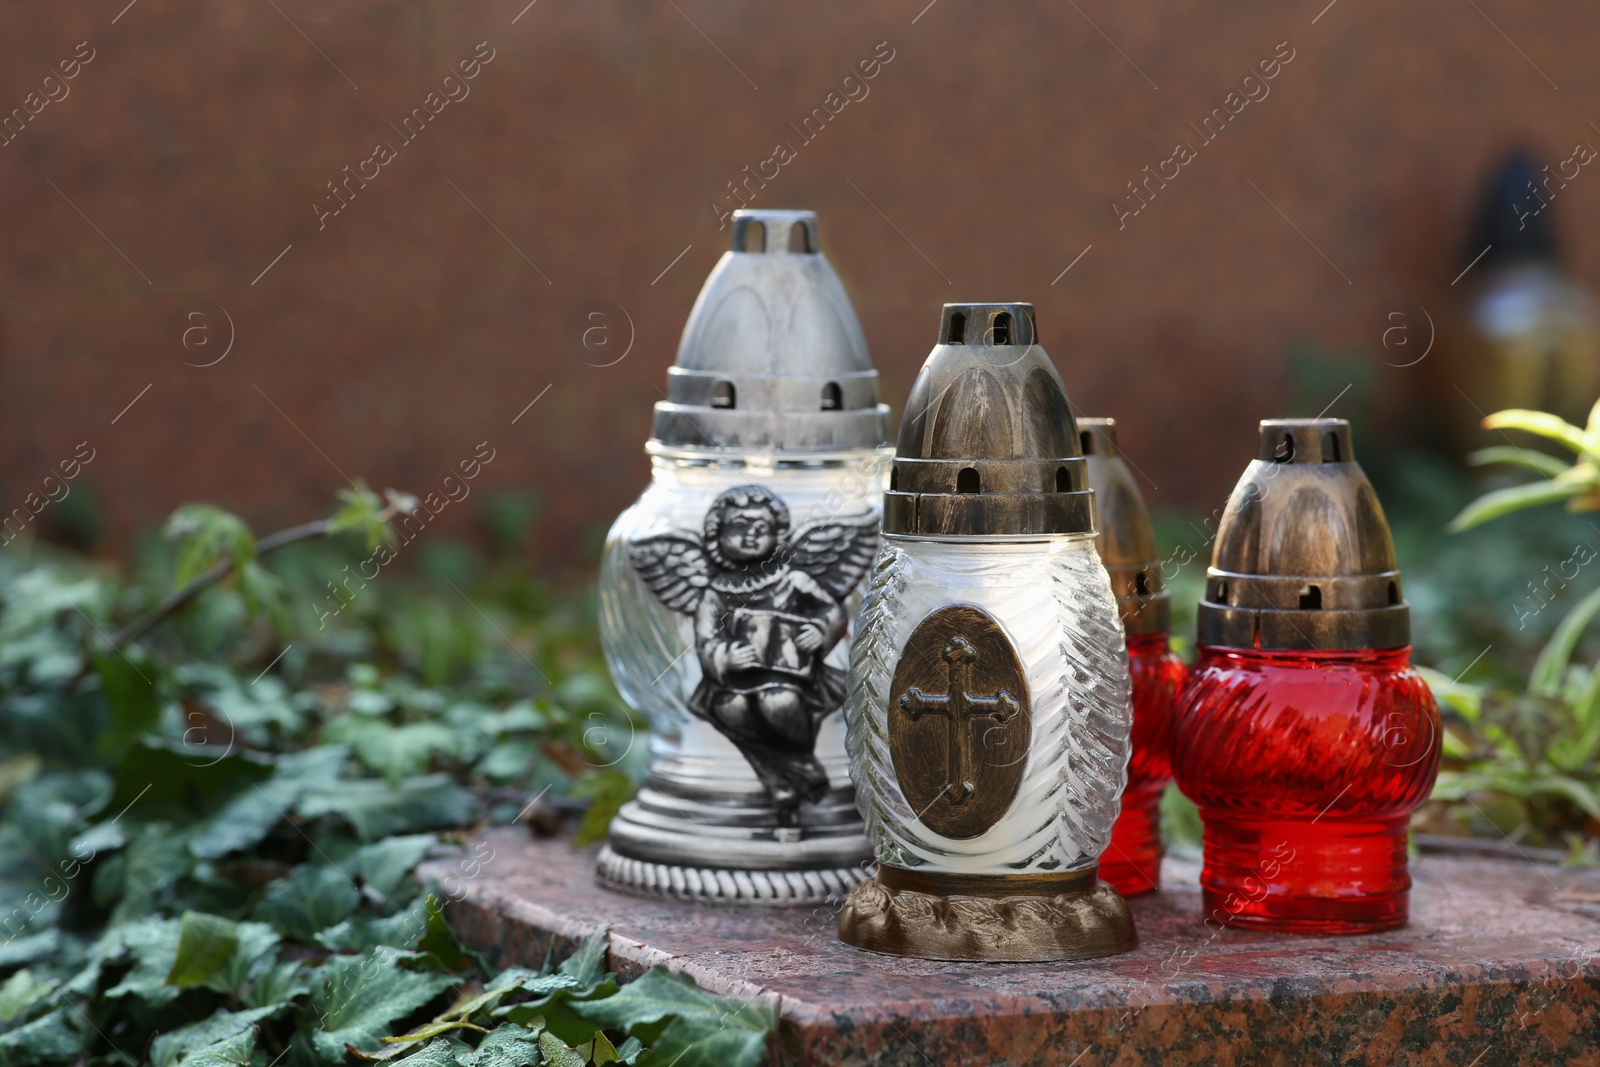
x=755, y=236
x=722, y=395
x=1002, y=329
x=958, y=329
x=967, y=481
x=800, y=238
x=832, y=397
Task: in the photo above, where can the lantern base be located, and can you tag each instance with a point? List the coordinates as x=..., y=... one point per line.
x=713, y=842
x=1306, y=876
x=997, y=917
x=720, y=885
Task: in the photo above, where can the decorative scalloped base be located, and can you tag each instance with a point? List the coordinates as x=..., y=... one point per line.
x=1072, y=926
x=712, y=885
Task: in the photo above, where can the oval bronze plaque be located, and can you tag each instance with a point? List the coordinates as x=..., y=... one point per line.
x=959, y=721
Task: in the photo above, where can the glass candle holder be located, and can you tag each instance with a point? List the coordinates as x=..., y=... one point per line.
x=988, y=709
x=1306, y=767
x=728, y=590
x=1127, y=544
x=1304, y=736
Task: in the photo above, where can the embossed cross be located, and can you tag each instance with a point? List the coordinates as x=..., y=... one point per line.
x=959, y=707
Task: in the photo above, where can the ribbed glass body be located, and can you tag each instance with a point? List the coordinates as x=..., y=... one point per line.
x=1306, y=767
x=1053, y=600
x=1132, y=862
x=651, y=648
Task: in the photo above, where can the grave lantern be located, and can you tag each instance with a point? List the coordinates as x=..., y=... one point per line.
x=727, y=591
x=1127, y=544
x=988, y=709
x=1304, y=734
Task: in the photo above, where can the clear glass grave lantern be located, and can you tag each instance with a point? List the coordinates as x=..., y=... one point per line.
x=1304, y=735
x=727, y=591
x=988, y=710
x=1127, y=543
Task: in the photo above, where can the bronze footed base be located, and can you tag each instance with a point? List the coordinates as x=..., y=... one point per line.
x=998, y=917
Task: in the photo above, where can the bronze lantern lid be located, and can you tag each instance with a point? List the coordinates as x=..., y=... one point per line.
x=772, y=357
x=1127, y=540
x=1303, y=558
x=988, y=446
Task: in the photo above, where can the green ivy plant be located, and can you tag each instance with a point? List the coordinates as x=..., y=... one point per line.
x=206, y=860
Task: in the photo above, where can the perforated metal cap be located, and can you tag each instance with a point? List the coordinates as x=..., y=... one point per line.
x=1303, y=558
x=988, y=445
x=772, y=356
x=1126, y=539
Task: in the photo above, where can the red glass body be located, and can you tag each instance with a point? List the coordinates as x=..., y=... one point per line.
x=1132, y=861
x=1306, y=767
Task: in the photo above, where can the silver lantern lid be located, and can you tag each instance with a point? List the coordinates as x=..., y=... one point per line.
x=772, y=357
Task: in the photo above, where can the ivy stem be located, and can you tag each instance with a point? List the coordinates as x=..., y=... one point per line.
x=177, y=600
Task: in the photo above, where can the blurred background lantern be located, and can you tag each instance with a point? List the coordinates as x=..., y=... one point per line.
x=1127, y=544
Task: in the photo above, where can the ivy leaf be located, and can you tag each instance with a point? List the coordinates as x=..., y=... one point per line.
x=229, y=1052
x=507, y=1045
x=706, y=1030
x=608, y=790
x=263, y=593
x=385, y=867
x=221, y=1028
x=21, y=992
x=153, y=944
x=280, y=984
x=156, y=771
x=208, y=535
x=393, y=751
x=204, y=944
x=51, y=1038
x=155, y=860
x=557, y=1053
x=440, y=941
x=16, y=951
x=377, y=809
x=130, y=691
x=363, y=996
x=400, y=930
x=252, y=957
x=256, y=810
x=311, y=899
x=440, y=1052
x=361, y=512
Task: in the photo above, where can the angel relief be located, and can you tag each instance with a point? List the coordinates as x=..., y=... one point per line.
x=767, y=609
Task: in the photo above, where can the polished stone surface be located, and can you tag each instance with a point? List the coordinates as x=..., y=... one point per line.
x=1500, y=965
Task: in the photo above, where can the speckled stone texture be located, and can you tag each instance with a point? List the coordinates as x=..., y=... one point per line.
x=1500, y=966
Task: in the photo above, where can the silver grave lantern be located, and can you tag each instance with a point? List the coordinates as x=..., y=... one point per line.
x=989, y=707
x=728, y=590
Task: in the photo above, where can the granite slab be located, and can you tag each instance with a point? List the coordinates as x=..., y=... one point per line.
x=1500, y=965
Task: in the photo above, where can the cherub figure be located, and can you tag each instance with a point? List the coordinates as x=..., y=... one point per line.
x=767, y=609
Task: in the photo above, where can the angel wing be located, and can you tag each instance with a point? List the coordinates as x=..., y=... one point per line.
x=674, y=567
x=836, y=552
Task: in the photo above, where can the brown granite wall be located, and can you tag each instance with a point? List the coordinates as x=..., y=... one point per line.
x=195, y=142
